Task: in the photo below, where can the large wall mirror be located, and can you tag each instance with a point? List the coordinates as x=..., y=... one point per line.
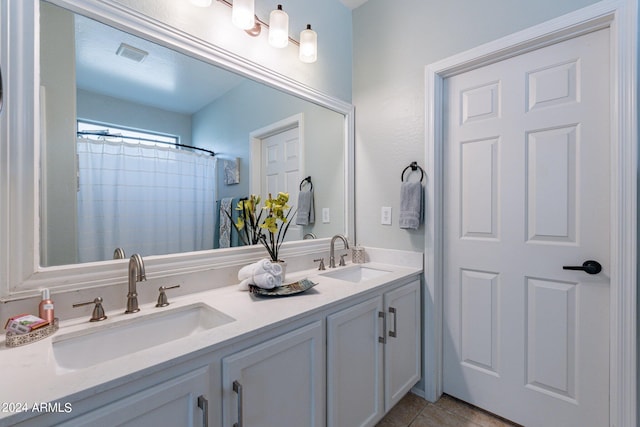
x=110, y=80
x=111, y=178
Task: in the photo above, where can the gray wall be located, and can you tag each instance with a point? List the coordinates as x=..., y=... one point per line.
x=388, y=88
x=224, y=127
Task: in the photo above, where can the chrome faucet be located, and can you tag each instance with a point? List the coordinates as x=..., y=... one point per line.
x=119, y=254
x=136, y=274
x=332, y=257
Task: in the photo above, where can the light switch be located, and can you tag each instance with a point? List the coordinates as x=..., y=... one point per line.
x=326, y=217
x=385, y=215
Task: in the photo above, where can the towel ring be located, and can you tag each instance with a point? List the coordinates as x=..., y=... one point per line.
x=414, y=166
x=307, y=179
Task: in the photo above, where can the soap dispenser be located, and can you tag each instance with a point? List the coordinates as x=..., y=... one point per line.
x=45, y=309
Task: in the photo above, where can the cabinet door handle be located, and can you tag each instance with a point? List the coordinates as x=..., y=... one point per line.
x=383, y=338
x=392, y=310
x=237, y=387
x=1, y=91
x=203, y=404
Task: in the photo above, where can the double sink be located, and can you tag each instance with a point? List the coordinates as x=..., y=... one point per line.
x=92, y=346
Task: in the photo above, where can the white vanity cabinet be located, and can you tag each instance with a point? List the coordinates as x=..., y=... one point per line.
x=280, y=382
x=373, y=356
x=341, y=364
x=402, y=347
x=181, y=401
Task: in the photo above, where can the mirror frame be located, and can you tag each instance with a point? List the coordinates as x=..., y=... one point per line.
x=21, y=275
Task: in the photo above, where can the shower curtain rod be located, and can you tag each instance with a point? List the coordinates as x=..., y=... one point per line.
x=111, y=135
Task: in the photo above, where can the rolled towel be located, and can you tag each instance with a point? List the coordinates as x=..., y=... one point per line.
x=267, y=280
x=262, y=266
x=411, y=205
x=306, y=210
x=263, y=273
x=274, y=268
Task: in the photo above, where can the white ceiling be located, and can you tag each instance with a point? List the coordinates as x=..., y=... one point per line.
x=165, y=79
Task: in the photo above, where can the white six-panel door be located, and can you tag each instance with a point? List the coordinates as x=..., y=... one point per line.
x=526, y=192
x=281, y=170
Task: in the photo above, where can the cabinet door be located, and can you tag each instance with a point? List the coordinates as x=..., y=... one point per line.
x=177, y=402
x=354, y=364
x=278, y=383
x=402, y=351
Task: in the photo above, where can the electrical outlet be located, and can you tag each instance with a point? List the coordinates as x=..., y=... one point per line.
x=326, y=217
x=385, y=215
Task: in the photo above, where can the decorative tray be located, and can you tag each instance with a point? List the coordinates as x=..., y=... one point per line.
x=15, y=340
x=284, y=290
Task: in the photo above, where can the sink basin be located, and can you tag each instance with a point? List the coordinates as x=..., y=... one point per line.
x=355, y=274
x=89, y=347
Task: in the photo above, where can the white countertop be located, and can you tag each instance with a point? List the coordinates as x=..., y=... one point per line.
x=30, y=374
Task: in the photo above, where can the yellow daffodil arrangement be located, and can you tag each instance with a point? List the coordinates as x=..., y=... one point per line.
x=272, y=230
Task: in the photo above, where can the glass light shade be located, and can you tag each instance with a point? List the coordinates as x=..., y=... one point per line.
x=243, y=14
x=278, y=28
x=308, y=45
x=201, y=3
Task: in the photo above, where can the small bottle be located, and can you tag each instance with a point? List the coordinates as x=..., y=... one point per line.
x=45, y=309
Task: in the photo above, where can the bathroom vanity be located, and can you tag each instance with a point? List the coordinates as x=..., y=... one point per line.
x=342, y=353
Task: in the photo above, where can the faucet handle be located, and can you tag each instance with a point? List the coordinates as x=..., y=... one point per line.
x=342, y=263
x=98, y=310
x=321, y=265
x=162, y=298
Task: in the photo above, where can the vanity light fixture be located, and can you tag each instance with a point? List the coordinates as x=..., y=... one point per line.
x=278, y=28
x=243, y=16
x=308, y=45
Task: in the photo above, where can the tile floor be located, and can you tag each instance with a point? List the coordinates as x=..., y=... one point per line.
x=414, y=411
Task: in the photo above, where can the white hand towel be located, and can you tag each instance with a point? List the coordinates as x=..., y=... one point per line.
x=274, y=268
x=263, y=273
x=262, y=266
x=267, y=280
x=306, y=210
x=411, y=204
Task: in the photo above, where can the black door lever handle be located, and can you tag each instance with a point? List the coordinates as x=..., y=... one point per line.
x=589, y=267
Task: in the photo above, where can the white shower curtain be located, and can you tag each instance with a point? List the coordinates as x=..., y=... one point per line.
x=144, y=199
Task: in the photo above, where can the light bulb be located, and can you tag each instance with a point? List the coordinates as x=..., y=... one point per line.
x=243, y=14
x=308, y=45
x=201, y=3
x=278, y=28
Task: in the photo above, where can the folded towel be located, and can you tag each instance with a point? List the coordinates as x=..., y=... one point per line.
x=306, y=210
x=264, y=274
x=411, y=205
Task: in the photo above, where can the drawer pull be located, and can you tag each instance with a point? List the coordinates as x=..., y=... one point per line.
x=392, y=310
x=383, y=338
x=203, y=404
x=237, y=387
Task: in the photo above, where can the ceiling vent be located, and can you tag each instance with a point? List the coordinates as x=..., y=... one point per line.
x=132, y=53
